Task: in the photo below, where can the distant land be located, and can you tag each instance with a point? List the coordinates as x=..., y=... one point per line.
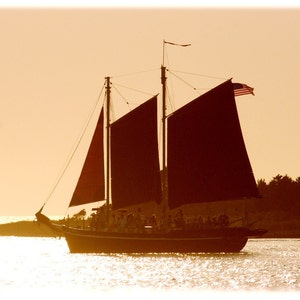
x=26, y=229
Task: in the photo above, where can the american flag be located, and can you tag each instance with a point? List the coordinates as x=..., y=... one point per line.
x=242, y=89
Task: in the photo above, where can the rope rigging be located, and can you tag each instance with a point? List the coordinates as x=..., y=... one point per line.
x=71, y=155
x=174, y=73
x=129, y=103
x=200, y=75
x=118, y=86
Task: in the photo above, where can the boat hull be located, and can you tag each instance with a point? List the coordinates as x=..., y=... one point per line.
x=222, y=240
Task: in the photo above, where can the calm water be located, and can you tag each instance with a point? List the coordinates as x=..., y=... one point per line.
x=44, y=266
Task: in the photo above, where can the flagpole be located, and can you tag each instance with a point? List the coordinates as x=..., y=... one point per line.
x=163, y=60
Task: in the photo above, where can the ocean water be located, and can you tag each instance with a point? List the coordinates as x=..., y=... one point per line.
x=43, y=267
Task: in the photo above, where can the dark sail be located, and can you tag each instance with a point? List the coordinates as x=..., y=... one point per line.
x=90, y=186
x=207, y=158
x=134, y=157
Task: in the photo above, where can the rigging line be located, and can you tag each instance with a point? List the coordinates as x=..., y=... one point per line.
x=112, y=113
x=134, y=73
x=75, y=148
x=170, y=94
x=136, y=90
x=170, y=100
x=201, y=75
x=114, y=87
x=184, y=81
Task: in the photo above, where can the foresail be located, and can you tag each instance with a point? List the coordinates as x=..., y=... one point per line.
x=207, y=158
x=90, y=186
x=134, y=157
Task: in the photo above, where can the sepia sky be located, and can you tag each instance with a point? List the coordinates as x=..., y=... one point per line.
x=52, y=67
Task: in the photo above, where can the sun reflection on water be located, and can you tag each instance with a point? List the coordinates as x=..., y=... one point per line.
x=43, y=263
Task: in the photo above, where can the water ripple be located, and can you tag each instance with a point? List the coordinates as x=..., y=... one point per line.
x=265, y=265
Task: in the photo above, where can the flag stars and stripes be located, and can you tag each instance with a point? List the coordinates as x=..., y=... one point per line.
x=242, y=89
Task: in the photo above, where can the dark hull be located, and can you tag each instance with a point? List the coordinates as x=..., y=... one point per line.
x=213, y=240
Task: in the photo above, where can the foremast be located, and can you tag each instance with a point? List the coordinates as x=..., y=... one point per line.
x=164, y=116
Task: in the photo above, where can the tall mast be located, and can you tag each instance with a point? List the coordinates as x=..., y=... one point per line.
x=107, y=144
x=164, y=108
x=164, y=125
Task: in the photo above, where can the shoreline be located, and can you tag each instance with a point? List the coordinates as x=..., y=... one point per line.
x=26, y=229
x=35, y=229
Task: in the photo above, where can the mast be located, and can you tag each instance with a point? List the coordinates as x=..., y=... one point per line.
x=107, y=145
x=164, y=125
x=164, y=113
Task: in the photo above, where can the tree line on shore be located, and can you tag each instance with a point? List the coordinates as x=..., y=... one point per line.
x=282, y=193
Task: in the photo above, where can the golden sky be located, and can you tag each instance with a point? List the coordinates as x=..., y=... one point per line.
x=53, y=63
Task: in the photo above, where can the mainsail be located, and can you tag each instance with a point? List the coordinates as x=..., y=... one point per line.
x=134, y=157
x=207, y=158
x=90, y=186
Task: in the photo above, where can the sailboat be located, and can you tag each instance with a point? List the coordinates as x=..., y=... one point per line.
x=203, y=160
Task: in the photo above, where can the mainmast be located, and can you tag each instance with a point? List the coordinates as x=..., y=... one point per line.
x=164, y=125
x=164, y=116
x=164, y=168
x=107, y=144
